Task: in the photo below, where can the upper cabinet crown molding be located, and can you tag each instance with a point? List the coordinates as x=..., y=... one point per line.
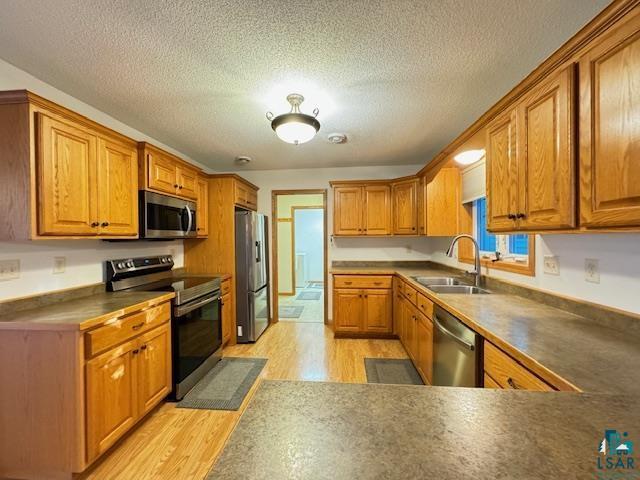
x=64, y=175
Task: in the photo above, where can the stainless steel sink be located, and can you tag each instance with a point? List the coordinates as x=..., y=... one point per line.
x=428, y=281
x=459, y=289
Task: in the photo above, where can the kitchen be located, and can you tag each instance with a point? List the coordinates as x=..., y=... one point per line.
x=537, y=348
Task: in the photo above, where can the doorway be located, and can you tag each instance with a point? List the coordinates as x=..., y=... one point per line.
x=299, y=256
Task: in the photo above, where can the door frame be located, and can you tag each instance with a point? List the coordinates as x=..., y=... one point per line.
x=274, y=242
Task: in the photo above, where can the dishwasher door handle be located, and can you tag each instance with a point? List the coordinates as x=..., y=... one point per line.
x=464, y=343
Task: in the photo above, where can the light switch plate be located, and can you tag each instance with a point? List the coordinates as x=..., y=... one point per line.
x=551, y=265
x=592, y=270
x=59, y=264
x=9, y=269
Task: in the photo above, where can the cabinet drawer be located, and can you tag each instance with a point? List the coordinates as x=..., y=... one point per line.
x=508, y=373
x=410, y=293
x=425, y=305
x=122, y=329
x=225, y=287
x=361, y=281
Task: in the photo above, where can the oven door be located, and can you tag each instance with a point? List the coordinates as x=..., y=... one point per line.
x=197, y=338
x=162, y=216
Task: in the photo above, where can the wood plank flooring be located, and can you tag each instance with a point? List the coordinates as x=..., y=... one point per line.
x=180, y=444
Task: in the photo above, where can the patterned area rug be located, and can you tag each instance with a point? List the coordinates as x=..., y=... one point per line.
x=308, y=295
x=225, y=386
x=290, y=311
x=392, y=371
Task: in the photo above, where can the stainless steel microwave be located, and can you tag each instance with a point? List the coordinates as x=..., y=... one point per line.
x=162, y=216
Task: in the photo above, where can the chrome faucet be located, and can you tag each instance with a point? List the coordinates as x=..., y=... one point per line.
x=478, y=271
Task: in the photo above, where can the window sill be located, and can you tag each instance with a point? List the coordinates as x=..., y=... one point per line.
x=528, y=269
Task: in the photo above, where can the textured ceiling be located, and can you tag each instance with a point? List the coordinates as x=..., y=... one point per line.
x=400, y=78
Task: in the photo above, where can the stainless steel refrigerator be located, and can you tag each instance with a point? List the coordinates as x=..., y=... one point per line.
x=252, y=275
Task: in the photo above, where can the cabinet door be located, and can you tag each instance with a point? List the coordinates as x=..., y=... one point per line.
x=610, y=130
x=117, y=189
x=405, y=207
x=153, y=367
x=546, y=168
x=67, y=202
x=111, y=398
x=347, y=211
x=397, y=306
x=202, y=214
x=410, y=331
x=422, y=205
x=424, y=344
x=502, y=173
x=377, y=210
x=187, y=181
x=227, y=319
x=443, y=203
x=378, y=310
x=162, y=173
x=348, y=310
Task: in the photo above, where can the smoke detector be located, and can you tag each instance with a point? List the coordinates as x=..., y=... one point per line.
x=243, y=160
x=337, y=138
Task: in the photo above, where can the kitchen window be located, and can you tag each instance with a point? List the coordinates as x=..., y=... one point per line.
x=513, y=253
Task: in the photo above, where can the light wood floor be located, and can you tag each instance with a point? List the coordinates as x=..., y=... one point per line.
x=176, y=444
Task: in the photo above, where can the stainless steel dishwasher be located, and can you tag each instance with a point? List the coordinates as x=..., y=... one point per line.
x=456, y=355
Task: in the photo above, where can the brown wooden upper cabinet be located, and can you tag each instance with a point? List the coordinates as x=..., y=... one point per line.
x=362, y=209
x=610, y=128
x=405, y=206
x=203, y=208
x=246, y=195
x=530, y=160
x=442, y=203
x=84, y=182
x=163, y=172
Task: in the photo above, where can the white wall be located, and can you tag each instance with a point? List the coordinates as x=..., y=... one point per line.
x=309, y=231
x=84, y=258
x=84, y=262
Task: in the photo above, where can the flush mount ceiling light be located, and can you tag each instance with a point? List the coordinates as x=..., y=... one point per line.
x=470, y=156
x=295, y=127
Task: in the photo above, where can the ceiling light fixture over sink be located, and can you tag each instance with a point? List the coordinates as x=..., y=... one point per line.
x=295, y=127
x=469, y=156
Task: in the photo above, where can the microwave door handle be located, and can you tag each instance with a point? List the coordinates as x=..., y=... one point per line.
x=190, y=215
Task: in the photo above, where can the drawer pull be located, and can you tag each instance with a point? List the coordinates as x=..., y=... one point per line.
x=136, y=351
x=377, y=283
x=137, y=326
x=348, y=283
x=143, y=347
x=512, y=384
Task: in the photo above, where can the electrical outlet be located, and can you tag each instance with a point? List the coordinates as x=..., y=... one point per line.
x=9, y=269
x=59, y=264
x=551, y=265
x=592, y=270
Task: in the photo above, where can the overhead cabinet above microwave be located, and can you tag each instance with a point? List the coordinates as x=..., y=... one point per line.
x=63, y=175
x=163, y=172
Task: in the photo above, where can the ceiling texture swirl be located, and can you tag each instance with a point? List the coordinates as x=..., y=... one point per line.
x=400, y=78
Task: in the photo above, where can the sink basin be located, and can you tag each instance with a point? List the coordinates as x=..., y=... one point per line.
x=428, y=281
x=460, y=289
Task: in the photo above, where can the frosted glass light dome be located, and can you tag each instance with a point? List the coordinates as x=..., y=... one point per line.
x=295, y=127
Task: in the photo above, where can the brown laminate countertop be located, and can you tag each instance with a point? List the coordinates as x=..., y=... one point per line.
x=563, y=348
x=82, y=313
x=336, y=431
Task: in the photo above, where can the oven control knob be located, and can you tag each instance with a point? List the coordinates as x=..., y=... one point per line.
x=163, y=260
x=120, y=265
x=130, y=264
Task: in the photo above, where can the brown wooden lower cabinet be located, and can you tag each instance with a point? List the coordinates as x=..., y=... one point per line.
x=73, y=395
x=228, y=322
x=424, y=342
x=507, y=373
x=363, y=311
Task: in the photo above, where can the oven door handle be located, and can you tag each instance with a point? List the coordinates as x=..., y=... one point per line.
x=190, y=307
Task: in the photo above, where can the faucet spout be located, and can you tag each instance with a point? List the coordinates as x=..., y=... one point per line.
x=478, y=272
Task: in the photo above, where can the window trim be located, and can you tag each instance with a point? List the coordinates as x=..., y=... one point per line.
x=465, y=251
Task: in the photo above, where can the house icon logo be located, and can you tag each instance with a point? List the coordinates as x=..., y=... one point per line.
x=616, y=451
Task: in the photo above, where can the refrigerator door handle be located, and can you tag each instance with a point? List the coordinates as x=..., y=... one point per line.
x=258, y=259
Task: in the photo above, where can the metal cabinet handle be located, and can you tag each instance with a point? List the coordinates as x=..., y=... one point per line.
x=136, y=351
x=175, y=185
x=511, y=216
x=95, y=224
x=520, y=215
x=143, y=347
x=104, y=224
x=512, y=384
x=377, y=283
x=137, y=326
x=180, y=187
x=348, y=283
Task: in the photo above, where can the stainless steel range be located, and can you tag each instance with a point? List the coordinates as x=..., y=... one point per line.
x=196, y=324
